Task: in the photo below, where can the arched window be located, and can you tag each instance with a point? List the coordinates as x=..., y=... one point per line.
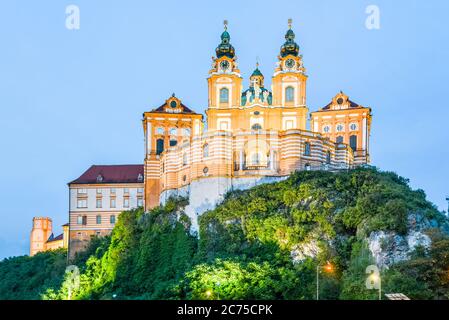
x=159, y=146
x=256, y=126
x=339, y=139
x=255, y=159
x=184, y=159
x=206, y=151
x=173, y=131
x=224, y=95
x=328, y=157
x=289, y=94
x=307, y=149
x=353, y=142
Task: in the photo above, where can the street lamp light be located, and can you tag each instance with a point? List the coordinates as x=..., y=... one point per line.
x=328, y=268
x=374, y=280
x=208, y=294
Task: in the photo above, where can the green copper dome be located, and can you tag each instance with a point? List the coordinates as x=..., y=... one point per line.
x=225, y=48
x=257, y=73
x=290, y=46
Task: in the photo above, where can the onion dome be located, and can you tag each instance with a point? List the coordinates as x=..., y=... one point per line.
x=290, y=46
x=257, y=72
x=256, y=77
x=225, y=48
x=259, y=92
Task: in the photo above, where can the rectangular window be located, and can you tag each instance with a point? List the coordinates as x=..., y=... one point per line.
x=99, y=203
x=113, y=204
x=126, y=191
x=139, y=202
x=112, y=219
x=82, y=220
x=82, y=191
x=288, y=124
x=126, y=202
x=140, y=190
x=99, y=191
x=98, y=219
x=113, y=191
x=81, y=203
x=223, y=125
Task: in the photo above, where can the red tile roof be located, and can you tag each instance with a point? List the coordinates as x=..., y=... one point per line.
x=129, y=173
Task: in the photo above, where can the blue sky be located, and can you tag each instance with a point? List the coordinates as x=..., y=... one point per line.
x=69, y=99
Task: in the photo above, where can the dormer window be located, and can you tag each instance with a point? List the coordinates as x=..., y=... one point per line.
x=140, y=177
x=173, y=104
x=99, y=178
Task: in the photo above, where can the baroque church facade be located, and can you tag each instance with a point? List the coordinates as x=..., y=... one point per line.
x=251, y=136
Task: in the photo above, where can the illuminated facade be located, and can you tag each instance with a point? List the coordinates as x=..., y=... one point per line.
x=253, y=135
x=42, y=237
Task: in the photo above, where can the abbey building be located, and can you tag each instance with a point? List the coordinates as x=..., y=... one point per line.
x=250, y=135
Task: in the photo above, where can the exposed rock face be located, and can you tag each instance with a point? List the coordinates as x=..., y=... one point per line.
x=206, y=194
x=302, y=251
x=389, y=248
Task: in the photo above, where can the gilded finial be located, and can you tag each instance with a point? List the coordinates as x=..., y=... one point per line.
x=225, y=23
x=257, y=62
x=290, y=21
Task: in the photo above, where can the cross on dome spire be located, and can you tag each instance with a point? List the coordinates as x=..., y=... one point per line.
x=225, y=23
x=290, y=21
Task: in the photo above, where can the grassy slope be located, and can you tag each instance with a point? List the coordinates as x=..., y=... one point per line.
x=245, y=245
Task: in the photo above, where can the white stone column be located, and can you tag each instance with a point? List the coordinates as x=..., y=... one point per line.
x=241, y=159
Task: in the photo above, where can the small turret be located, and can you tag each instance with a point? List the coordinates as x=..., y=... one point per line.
x=40, y=233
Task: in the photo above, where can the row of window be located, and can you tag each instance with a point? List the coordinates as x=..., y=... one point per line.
x=308, y=152
x=289, y=95
x=82, y=203
x=82, y=220
x=112, y=191
x=340, y=127
x=173, y=131
x=352, y=141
